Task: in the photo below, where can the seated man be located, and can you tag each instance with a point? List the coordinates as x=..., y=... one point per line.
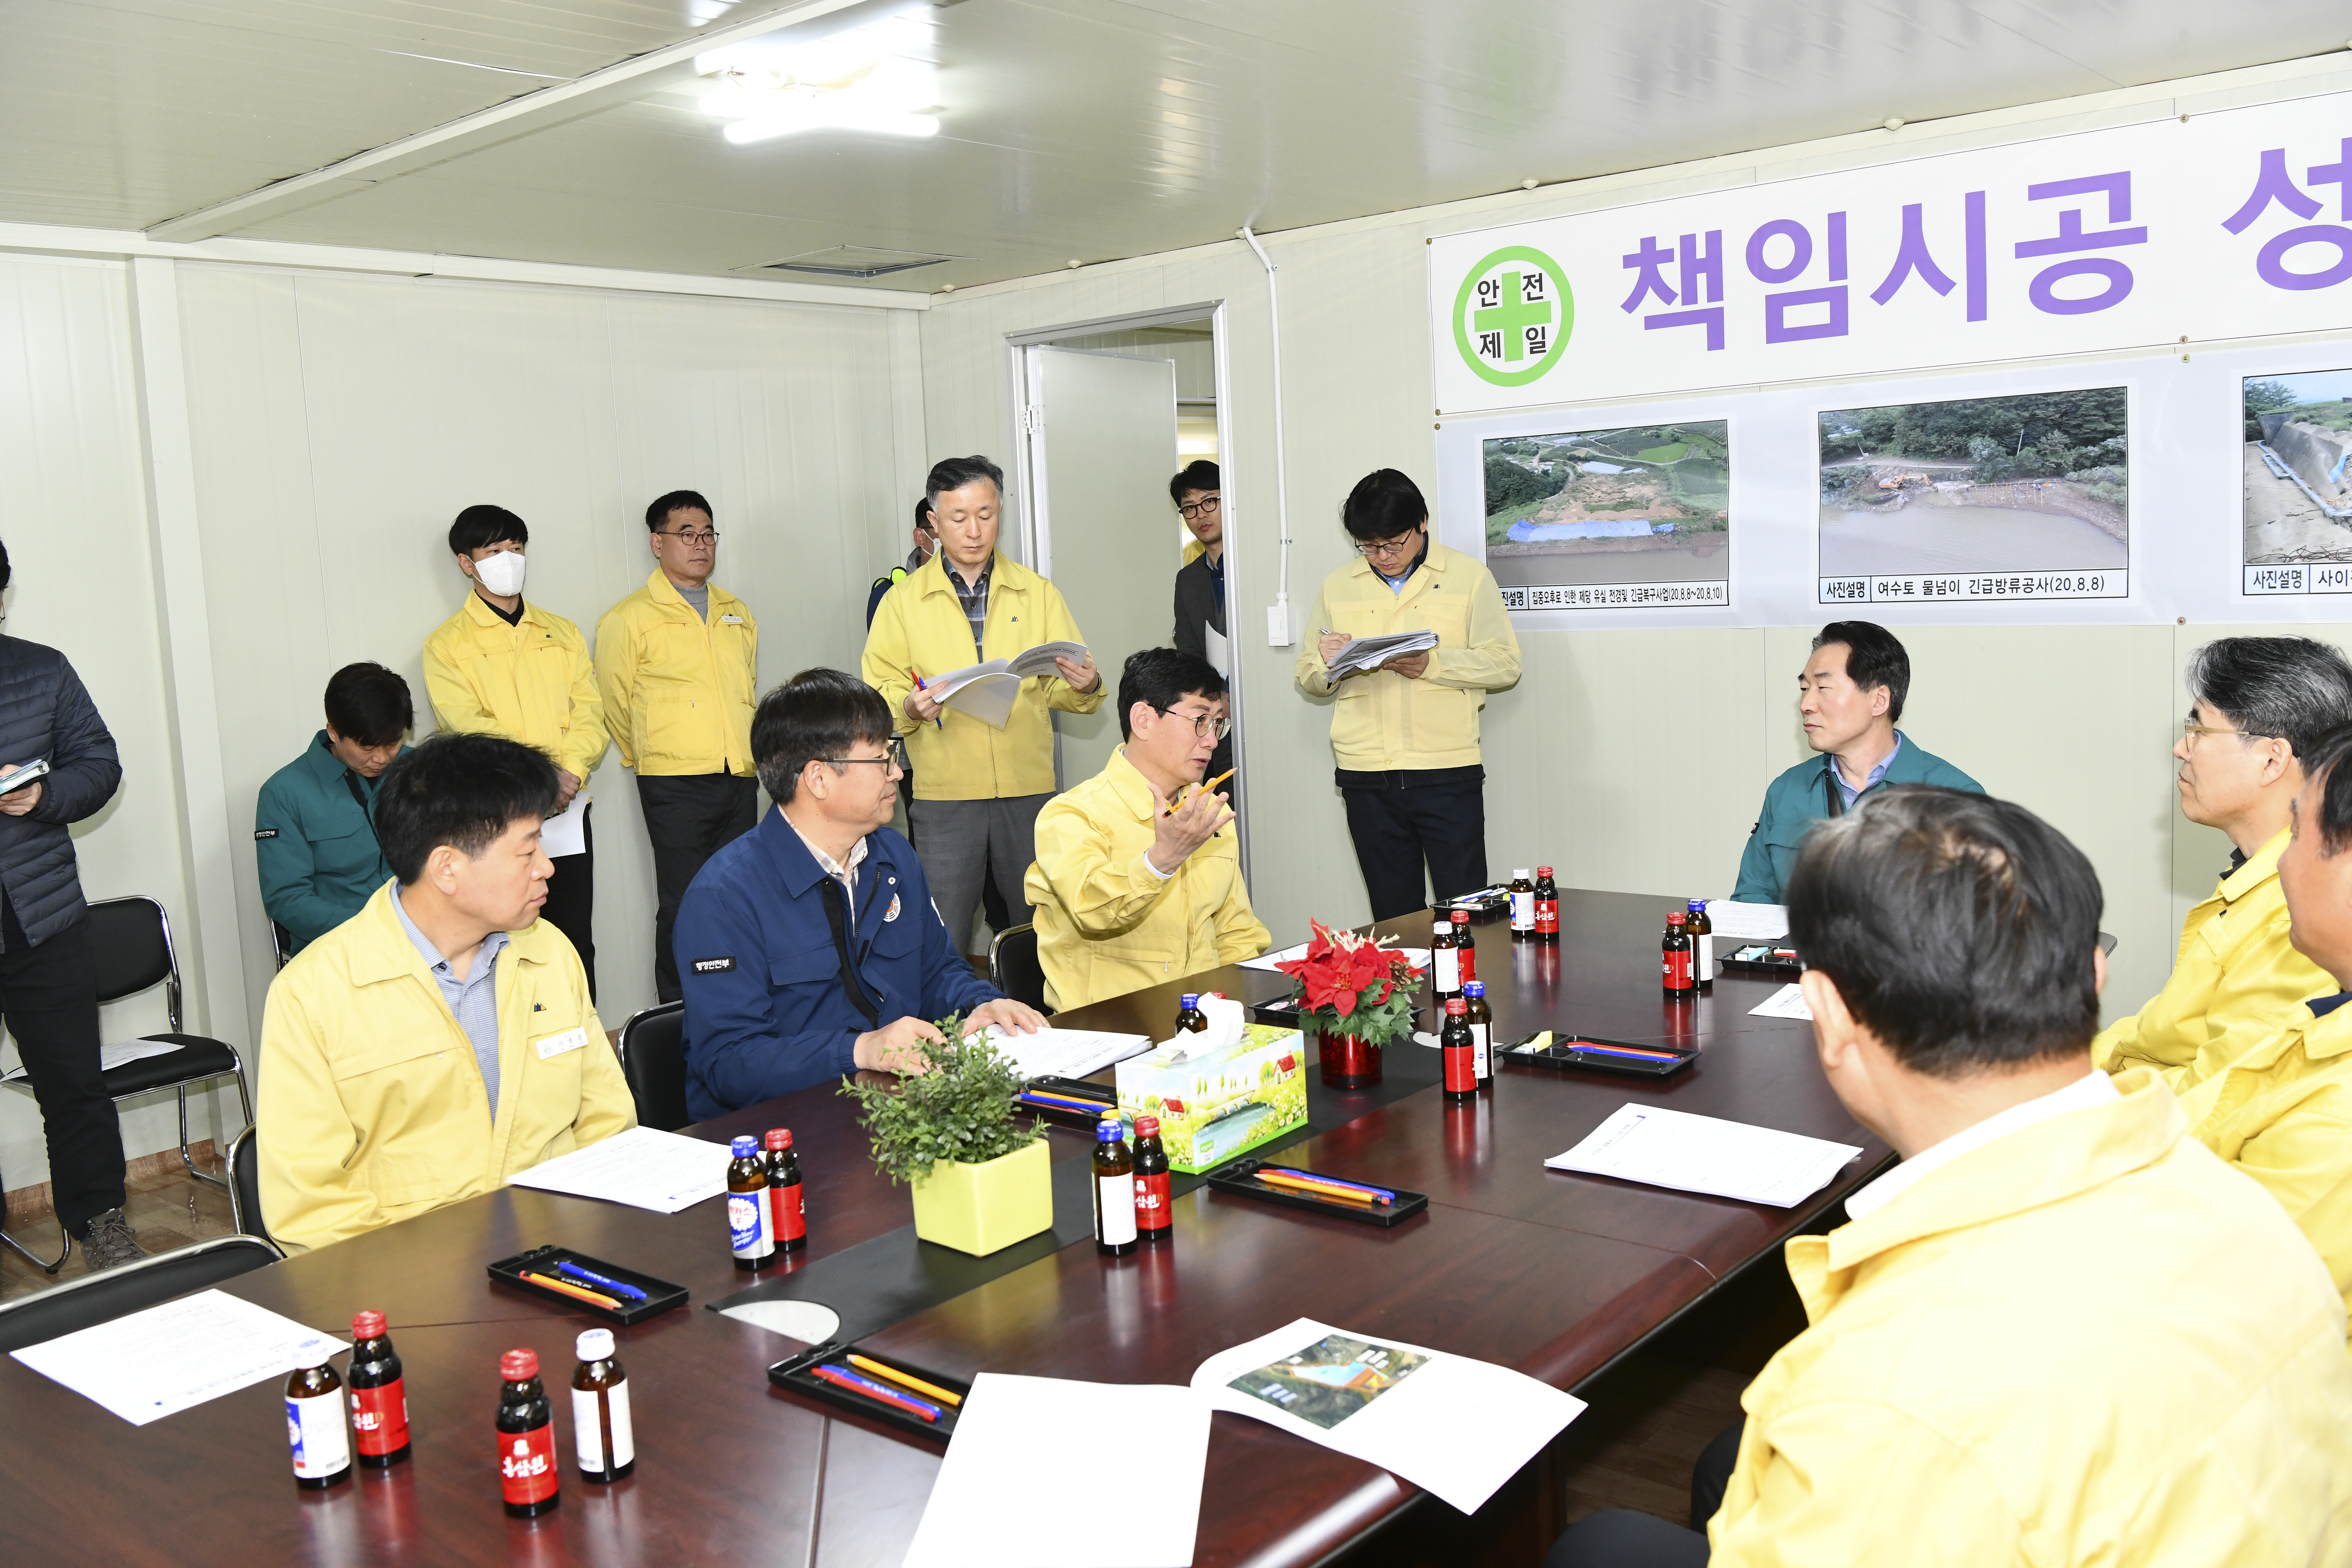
x=313, y=838
x=441, y=1040
x=809, y=947
x=1128, y=892
x=2257, y=706
x=1850, y=695
x=2061, y=1332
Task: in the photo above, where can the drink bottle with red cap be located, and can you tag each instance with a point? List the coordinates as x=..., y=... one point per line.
x=379, y=1395
x=1153, y=1220
x=1546, y=907
x=528, y=1474
x=784, y=1201
x=1459, y=1050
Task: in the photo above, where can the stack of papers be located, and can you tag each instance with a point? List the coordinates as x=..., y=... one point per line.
x=986, y=690
x=644, y=1168
x=1747, y=922
x=1064, y=1053
x=169, y=1358
x=1702, y=1154
x=1788, y=1001
x=1363, y=654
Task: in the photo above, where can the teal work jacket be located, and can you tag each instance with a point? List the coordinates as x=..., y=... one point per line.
x=314, y=844
x=1802, y=796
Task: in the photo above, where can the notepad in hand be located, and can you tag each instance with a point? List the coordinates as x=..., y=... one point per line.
x=1363, y=654
x=987, y=691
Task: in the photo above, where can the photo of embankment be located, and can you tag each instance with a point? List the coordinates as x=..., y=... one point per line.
x=2298, y=432
x=2036, y=482
x=1641, y=504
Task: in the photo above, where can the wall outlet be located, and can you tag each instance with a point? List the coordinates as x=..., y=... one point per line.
x=1280, y=629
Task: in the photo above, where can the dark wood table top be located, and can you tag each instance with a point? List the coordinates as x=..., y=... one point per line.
x=1553, y=1274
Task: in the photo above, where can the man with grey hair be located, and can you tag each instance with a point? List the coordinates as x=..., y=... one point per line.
x=2257, y=707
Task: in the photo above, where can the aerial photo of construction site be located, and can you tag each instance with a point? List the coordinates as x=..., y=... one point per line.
x=1645, y=504
x=2298, y=498
x=2036, y=482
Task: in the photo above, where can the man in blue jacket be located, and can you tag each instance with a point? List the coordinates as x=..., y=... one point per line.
x=1850, y=698
x=809, y=947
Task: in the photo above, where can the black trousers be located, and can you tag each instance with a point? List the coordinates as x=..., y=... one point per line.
x=1619, y=1538
x=48, y=999
x=570, y=905
x=1402, y=820
x=688, y=816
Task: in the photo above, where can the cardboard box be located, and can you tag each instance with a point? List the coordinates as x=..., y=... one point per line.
x=1214, y=1105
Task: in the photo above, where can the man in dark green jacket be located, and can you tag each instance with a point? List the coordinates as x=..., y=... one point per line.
x=1850, y=695
x=314, y=827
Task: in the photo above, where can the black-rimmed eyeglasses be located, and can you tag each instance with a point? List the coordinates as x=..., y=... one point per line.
x=893, y=760
x=1201, y=722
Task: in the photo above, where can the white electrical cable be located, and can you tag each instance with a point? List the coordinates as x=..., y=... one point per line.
x=1281, y=478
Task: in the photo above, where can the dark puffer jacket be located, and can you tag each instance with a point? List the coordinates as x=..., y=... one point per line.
x=46, y=712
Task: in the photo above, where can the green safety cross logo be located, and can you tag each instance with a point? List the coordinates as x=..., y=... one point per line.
x=1513, y=316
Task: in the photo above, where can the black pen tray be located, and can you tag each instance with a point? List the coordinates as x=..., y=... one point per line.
x=1101, y=1096
x=794, y=1376
x=1074, y=1088
x=1786, y=966
x=661, y=1295
x=1239, y=1177
x=1563, y=1053
x=1284, y=1012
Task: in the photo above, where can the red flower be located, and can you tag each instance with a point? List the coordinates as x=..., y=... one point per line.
x=1341, y=969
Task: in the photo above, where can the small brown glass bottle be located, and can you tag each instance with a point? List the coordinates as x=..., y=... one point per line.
x=379, y=1395
x=1481, y=1019
x=1523, y=906
x=750, y=1227
x=1457, y=1050
x=529, y=1476
x=1445, y=963
x=787, y=1213
x=314, y=1418
x=1114, y=1190
x=1190, y=1019
x=602, y=1433
x=1702, y=934
x=1154, y=1219
x=1546, y=907
x=1675, y=960
x=1466, y=946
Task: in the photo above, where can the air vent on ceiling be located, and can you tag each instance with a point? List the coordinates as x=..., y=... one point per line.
x=855, y=261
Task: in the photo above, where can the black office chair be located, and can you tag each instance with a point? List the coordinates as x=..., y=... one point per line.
x=244, y=1185
x=1014, y=969
x=97, y=1299
x=282, y=943
x=653, y=1058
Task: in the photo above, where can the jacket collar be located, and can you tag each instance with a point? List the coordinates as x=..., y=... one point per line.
x=1132, y=789
x=2320, y=1038
x=797, y=870
x=1437, y=560
x=380, y=949
x=662, y=591
x=2260, y=868
x=1005, y=575
x=478, y=613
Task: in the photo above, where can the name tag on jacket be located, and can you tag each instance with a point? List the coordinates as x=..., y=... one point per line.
x=556, y=1045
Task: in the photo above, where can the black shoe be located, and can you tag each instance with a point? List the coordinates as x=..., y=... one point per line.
x=109, y=1242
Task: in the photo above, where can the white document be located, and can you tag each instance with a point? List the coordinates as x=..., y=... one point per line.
x=645, y=1169
x=1788, y=1001
x=110, y=1056
x=987, y=697
x=1064, y=1053
x=1022, y=1442
x=1747, y=922
x=986, y=690
x=1221, y=651
x=1416, y=956
x=169, y=1358
x=1449, y=1425
x=1701, y=1154
x=1371, y=653
x=566, y=832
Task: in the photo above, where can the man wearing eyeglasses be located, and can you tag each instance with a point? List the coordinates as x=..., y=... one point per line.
x=677, y=664
x=810, y=946
x=1406, y=735
x=1201, y=589
x=1137, y=879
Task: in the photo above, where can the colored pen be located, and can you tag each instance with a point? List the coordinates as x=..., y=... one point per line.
x=569, y=1289
x=1332, y=1181
x=850, y=1380
x=938, y=719
x=567, y=1266
x=1213, y=783
x=1342, y=1195
x=1064, y=1103
x=1624, y=1051
x=895, y=1375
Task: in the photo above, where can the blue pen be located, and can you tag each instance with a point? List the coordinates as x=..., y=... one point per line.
x=871, y=1386
x=1332, y=1181
x=590, y=1275
x=1586, y=1049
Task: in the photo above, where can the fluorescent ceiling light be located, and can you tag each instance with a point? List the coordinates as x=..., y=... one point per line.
x=860, y=78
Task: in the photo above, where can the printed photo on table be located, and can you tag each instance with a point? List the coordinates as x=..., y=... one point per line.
x=1638, y=516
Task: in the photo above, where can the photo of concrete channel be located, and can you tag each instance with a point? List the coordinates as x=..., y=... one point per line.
x=2298, y=432
x=1640, y=505
x=2034, y=483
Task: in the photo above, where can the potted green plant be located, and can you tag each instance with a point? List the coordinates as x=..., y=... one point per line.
x=982, y=1180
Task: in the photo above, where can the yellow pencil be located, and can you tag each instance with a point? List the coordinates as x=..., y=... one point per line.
x=1346, y=1193
x=895, y=1375
x=1205, y=788
x=597, y=1296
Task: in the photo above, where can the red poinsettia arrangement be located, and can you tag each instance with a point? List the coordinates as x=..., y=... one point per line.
x=1354, y=987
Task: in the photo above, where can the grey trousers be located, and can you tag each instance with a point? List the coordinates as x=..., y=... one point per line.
x=963, y=842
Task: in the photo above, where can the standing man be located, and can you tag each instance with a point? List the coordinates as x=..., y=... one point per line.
x=49, y=983
x=314, y=838
x=678, y=664
x=1201, y=594
x=927, y=544
x=978, y=788
x=1406, y=735
x=502, y=667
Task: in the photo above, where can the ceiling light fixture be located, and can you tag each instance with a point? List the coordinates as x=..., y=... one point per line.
x=861, y=79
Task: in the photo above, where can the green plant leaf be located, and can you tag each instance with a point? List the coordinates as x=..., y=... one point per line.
x=963, y=1110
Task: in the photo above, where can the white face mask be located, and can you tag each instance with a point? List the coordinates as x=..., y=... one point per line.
x=500, y=574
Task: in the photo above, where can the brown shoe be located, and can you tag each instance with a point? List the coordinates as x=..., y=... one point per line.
x=109, y=1242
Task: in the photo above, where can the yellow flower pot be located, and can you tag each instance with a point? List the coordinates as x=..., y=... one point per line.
x=987, y=1207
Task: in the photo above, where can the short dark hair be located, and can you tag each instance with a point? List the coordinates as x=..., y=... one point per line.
x=2296, y=688
x=815, y=715
x=1383, y=504
x=370, y=704
x=954, y=473
x=677, y=501
x=1872, y=659
x=479, y=525
x=5, y=572
x=1163, y=677
x=2322, y=766
x=461, y=790
x=1958, y=929
x=1199, y=474
x=923, y=515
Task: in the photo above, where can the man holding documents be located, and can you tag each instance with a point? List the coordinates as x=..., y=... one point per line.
x=1404, y=723
x=2061, y=1332
x=442, y=1039
x=1850, y=695
x=1136, y=881
x=982, y=746
x=809, y=945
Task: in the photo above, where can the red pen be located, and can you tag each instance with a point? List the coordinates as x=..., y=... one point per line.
x=859, y=1385
x=940, y=718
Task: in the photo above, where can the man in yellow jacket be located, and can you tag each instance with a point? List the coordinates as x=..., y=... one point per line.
x=1406, y=734
x=442, y=1039
x=679, y=665
x=977, y=786
x=503, y=666
x=2258, y=705
x=2061, y=1332
x=1130, y=893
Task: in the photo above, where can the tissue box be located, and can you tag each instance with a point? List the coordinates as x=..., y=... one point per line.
x=1214, y=1104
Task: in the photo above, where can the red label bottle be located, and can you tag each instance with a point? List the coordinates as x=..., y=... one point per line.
x=1675, y=954
x=1153, y=1222
x=1467, y=944
x=1547, y=906
x=379, y=1395
x=528, y=1477
x=1459, y=1047
x=784, y=1204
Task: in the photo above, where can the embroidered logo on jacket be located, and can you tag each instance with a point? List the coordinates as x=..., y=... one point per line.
x=713, y=965
x=265, y=833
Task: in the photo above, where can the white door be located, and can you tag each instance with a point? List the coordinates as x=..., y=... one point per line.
x=1102, y=449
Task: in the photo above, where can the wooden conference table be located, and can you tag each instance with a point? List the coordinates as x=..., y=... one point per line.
x=1555, y=1275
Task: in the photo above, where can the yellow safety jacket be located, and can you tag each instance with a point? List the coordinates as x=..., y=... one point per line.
x=919, y=629
x=1382, y=721
x=2282, y=1112
x=678, y=693
x=531, y=682
x=1105, y=924
x=371, y=1105
x=2235, y=982
x=2085, y=1343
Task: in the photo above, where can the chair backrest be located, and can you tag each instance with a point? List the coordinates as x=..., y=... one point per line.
x=1014, y=969
x=131, y=948
x=245, y=1184
x=282, y=943
x=97, y=1299
x=653, y=1058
